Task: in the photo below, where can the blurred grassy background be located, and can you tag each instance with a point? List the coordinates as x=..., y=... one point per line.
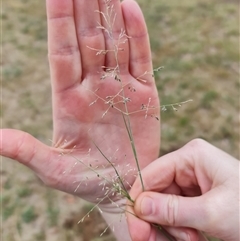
x=198, y=43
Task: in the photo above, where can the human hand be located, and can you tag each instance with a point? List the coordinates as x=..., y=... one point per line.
x=84, y=116
x=205, y=181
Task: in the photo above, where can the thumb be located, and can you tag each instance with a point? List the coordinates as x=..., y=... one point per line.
x=171, y=210
x=24, y=148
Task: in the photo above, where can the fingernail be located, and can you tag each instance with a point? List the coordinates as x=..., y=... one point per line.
x=147, y=206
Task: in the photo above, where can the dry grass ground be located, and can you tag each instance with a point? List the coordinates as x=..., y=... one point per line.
x=196, y=40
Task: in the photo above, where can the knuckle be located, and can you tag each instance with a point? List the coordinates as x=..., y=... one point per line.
x=171, y=210
x=63, y=51
x=195, y=147
x=196, y=144
x=25, y=157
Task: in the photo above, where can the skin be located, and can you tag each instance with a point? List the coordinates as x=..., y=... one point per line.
x=75, y=76
x=206, y=181
x=79, y=127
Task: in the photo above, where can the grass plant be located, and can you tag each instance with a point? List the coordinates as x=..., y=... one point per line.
x=189, y=31
x=29, y=215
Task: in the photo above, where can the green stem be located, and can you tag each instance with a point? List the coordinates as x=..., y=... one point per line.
x=128, y=127
x=116, y=171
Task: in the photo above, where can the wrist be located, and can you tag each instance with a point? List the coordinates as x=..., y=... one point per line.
x=114, y=215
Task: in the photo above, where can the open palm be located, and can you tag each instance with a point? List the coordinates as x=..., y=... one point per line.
x=90, y=101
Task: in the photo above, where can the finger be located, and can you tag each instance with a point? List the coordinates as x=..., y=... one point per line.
x=157, y=176
x=172, y=189
x=202, y=237
x=163, y=235
x=183, y=234
x=64, y=56
x=115, y=37
x=171, y=210
x=139, y=230
x=30, y=152
x=180, y=234
x=145, y=231
x=175, y=169
x=90, y=38
x=140, y=60
x=192, y=167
